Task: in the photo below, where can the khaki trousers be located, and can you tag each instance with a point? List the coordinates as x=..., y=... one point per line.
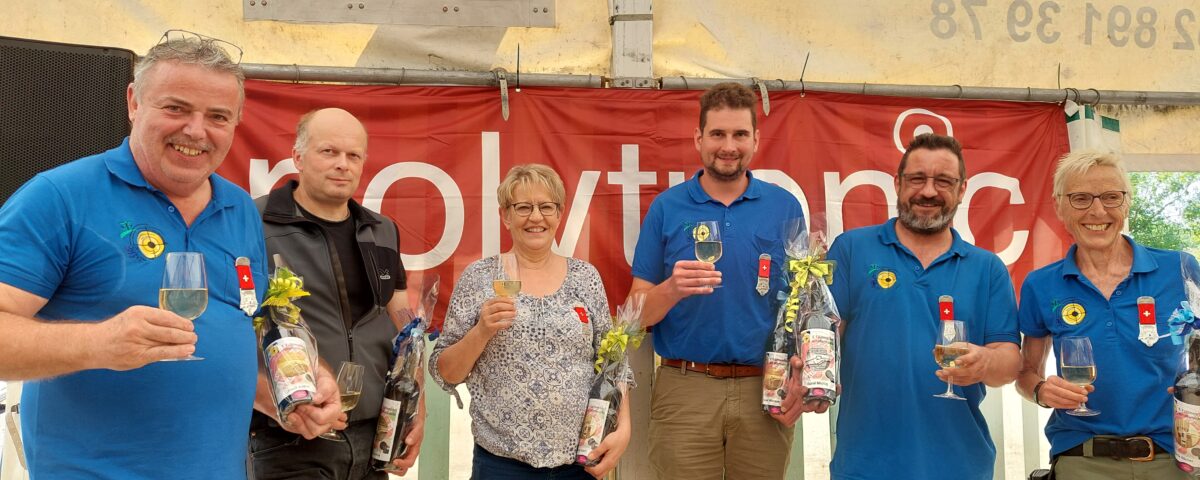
x=704, y=428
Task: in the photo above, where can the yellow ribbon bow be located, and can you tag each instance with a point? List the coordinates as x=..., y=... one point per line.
x=614, y=344
x=801, y=268
x=282, y=288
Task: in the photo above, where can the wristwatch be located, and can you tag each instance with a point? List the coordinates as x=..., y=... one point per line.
x=1037, y=389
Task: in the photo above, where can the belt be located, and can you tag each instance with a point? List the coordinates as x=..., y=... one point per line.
x=715, y=370
x=1139, y=448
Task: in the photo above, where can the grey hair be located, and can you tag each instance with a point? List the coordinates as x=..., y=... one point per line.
x=188, y=51
x=302, y=135
x=1075, y=164
x=302, y=131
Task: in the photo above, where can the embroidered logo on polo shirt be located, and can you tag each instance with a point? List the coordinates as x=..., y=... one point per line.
x=884, y=278
x=1072, y=312
x=143, y=241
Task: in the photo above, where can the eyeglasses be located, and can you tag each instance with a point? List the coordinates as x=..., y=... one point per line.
x=917, y=180
x=234, y=51
x=1109, y=199
x=523, y=209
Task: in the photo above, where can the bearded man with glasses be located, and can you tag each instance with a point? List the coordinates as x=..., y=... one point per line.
x=889, y=286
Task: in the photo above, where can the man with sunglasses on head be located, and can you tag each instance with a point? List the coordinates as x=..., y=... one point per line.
x=82, y=254
x=349, y=258
x=891, y=285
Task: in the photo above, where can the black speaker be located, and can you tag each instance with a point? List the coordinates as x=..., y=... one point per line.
x=58, y=102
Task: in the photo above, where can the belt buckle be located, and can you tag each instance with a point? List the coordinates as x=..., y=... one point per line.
x=1149, y=447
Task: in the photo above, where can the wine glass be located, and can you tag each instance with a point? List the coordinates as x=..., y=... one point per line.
x=184, y=288
x=350, y=380
x=951, y=344
x=1078, y=367
x=507, y=282
x=708, y=242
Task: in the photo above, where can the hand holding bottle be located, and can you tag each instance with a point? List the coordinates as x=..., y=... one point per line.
x=323, y=414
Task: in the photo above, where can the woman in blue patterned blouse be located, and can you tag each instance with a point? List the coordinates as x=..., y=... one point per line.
x=527, y=360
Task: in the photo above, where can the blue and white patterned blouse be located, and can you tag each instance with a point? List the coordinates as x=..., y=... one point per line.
x=529, y=387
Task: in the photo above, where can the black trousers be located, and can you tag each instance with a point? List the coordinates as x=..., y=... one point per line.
x=277, y=454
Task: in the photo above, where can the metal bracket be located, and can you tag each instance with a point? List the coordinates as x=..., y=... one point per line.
x=501, y=76
x=633, y=82
x=766, y=100
x=630, y=17
x=14, y=432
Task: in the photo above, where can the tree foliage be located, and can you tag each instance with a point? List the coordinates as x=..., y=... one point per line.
x=1165, y=210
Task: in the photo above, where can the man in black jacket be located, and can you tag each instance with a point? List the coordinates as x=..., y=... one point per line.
x=349, y=258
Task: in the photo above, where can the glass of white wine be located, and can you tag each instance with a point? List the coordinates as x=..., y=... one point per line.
x=184, y=288
x=507, y=282
x=952, y=343
x=350, y=380
x=1078, y=367
x=707, y=235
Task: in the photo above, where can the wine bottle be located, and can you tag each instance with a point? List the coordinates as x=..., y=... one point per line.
x=818, y=349
x=600, y=417
x=401, y=398
x=781, y=346
x=286, y=354
x=1187, y=411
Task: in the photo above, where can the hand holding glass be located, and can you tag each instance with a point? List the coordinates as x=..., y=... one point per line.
x=707, y=235
x=350, y=380
x=184, y=288
x=952, y=343
x=1079, y=368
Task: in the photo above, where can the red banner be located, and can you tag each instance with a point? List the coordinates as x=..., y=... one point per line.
x=436, y=155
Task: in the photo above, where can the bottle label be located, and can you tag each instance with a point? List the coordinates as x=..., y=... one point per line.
x=385, y=430
x=593, y=427
x=775, y=370
x=1187, y=435
x=291, y=372
x=818, y=351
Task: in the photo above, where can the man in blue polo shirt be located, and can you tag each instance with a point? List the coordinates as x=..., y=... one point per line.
x=887, y=285
x=707, y=419
x=82, y=251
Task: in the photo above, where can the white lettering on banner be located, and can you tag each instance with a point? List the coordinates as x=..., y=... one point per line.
x=631, y=180
x=922, y=128
x=489, y=151
x=995, y=180
x=785, y=182
x=262, y=178
x=836, y=190
x=451, y=198
x=579, y=209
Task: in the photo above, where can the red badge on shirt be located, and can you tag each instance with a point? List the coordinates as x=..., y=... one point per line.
x=582, y=312
x=1147, y=321
x=946, y=307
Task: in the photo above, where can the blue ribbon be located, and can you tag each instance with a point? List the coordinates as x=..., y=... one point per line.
x=1182, y=322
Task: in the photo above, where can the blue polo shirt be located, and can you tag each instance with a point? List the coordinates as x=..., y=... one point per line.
x=91, y=237
x=889, y=424
x=1131, y=378
x=731, y=324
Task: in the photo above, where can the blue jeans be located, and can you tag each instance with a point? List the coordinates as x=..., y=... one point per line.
x=487, y=466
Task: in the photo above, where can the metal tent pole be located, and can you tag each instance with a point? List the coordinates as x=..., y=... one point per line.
x=403, y=76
